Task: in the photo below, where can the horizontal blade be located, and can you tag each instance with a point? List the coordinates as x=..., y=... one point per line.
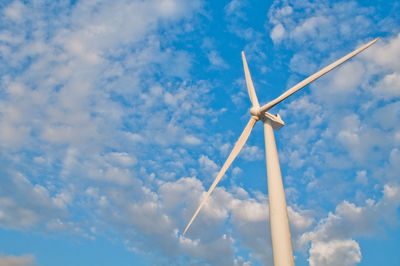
x=238, y=146
x=249, y=83
x=314, y=77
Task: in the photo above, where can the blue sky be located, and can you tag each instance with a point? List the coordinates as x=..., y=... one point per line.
x=115, y=117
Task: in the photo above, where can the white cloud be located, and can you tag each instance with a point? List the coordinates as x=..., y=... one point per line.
x=330, y=131
x=24, y=205
x=302, y=64
x=252, y=153
x=385, y=53
x=216, y=60
x=15, y=11
x=361, y=177
x=88, y=106
x=250, y=217
x=392, y=193
x=208, y=166
x=250, y=211
x=388, y=87
x=23, y=260
x=320, y=25
x=233, y=7
x=332, y=239
x=59, y=101
x=300, y=220
x=277, y=33
x=330, y=128
x=121, y=158
x=335, y=253
x=192, y=140
x=156, y=219
x=310, y=27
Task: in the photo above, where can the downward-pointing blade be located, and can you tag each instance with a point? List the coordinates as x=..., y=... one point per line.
x=236, y=149
x=314, y=77
x=249, y=83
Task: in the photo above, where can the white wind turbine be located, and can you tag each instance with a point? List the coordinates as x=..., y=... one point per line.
x=280, y=230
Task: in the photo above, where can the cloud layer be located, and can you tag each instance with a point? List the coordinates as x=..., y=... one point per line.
x=107, y=128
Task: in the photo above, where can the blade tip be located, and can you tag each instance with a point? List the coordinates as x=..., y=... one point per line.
x=187, y=227
x=375, y=40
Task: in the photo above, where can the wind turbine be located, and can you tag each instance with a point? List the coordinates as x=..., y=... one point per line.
x=279, y=221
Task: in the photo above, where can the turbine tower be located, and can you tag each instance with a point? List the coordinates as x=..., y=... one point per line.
x=279, y=221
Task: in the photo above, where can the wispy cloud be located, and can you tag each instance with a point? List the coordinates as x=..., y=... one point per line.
x=24, y=260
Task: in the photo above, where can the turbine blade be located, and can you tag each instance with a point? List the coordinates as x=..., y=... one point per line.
x=249, y=82
x=314, y=77
x=236, y=149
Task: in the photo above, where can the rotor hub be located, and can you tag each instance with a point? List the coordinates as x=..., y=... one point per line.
x=255, y=111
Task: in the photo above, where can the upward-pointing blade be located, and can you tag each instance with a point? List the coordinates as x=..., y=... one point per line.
x=238, y=146
x=249, y=83
x=314, y=77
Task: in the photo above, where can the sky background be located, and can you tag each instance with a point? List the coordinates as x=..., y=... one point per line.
x=115, y=117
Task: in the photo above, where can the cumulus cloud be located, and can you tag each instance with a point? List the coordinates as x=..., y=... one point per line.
x=155, y=220
x=306, y=28
x=15, y=11
x=252, y=153
x=94, y=128
x=107, y=135
x=23, y=204
x=277, y=33
x=208, y=166
x=328, y=115
x=333, y=97
x=335, y=253
x=81, y=99
x=332, y=240
x=165, y=210
x=313, y=28
x=357, y=135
